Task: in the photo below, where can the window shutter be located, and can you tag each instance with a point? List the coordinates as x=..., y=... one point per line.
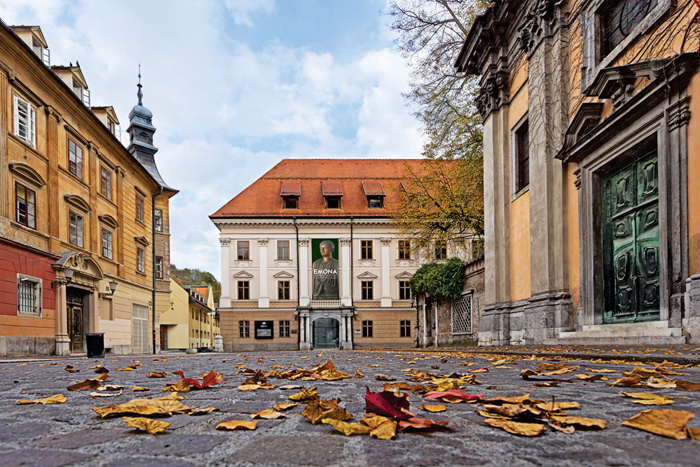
x=16, y=116
x=32, y=124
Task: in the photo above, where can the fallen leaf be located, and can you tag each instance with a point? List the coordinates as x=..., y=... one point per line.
x=347, y=428
x=591, y=378
x=557, y=406
x=687, y=386
x=289, y=386
x=237, y=425
x=209, y=379
x=388, y=404
x=507, y=400
x=285, y=406
x=203, y=411
x=153, y=374
x=92, y=383
x=102, y=394
x=358, y=375
x=381, y=427
x=602, y=370
x=479, y=370
x=628, y=381
x=550, y=366
x=268, y=414
x=579, y=422
x=517, y=428
x=433, y=408
x=305, y=396
x=249, y=387
x=69, y=369
x=421, y=423
x=139, y=389
x=182, y=386
x=166, y=405
x=146, y=424
x=315, y=411
x=453, y=395
x=648, y=399
x=57, y=399
x=384, y=378
x=665, y=422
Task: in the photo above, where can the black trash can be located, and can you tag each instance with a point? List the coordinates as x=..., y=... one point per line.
x=95, y=344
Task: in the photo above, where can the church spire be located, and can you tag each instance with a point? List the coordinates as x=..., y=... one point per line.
x=139, y=94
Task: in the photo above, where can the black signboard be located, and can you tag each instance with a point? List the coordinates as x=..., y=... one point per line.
x=264, y=329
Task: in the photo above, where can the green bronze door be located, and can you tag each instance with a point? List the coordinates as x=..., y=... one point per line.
x=631, y=242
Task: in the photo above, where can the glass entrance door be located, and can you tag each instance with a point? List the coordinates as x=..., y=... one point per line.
x=326, y=333
x=631, y=242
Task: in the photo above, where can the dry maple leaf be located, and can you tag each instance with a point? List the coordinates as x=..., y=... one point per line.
x=628, y=381
x=507, y=400
x=237, y=425
x=182, y=386
x=380, y=427
x=268, y=414
x=57, y=399
x=166, y=405
x=433, y=408
x=579, y=422
x=421, y=424
x=517, y=428
x=284, y=406
x=358, y=375
x=384, y=378
x=249, y=387
x=203, y=411
x=146, y=424
x=317, y=410
x=152, y=374
x=305, y=396
x=139, y=389
x=665, y=422
x=648, y=399
x=209, y=379
x=687, y=386
x=388, y=403
x=92, y=383
x=453, y=395
x=69, y=369
x=102, y=394
x=347, y=428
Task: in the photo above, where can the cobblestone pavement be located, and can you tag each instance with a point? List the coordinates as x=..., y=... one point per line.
x=72, y=434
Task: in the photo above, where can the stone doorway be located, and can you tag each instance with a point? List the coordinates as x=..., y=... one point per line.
x=326, y=333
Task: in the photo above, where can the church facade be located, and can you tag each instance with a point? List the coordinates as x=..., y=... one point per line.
x=310, y=259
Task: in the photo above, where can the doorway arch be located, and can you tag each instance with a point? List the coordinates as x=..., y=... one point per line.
x=326, y=333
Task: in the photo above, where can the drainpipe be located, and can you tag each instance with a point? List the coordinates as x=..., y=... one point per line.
x=153, y=260
x=296, y=227
x=352, y=282
x=436, y=305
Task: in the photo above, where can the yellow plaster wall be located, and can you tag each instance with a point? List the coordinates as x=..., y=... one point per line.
x=520, y=247
x=573, y=233
x=694, y=177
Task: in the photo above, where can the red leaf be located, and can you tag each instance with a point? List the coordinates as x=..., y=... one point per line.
x=210, y=379
x=453, y=393
x=388, y=404
x=420, y=423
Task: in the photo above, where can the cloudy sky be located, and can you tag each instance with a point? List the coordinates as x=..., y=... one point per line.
x=235, y=86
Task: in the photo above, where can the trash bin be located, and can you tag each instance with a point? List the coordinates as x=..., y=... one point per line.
x=95, y=344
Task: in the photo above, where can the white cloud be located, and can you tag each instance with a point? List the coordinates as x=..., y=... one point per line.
x=225, y=112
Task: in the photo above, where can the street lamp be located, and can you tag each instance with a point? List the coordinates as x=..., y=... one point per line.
x=112, y=288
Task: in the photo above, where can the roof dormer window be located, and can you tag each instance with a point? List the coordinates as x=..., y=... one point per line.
x=290, y=193
x=374, y=191
x=81, y=92
x=332, y=192
x=41, y=52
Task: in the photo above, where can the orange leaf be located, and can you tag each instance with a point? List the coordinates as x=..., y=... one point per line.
x=57, y=399
x=182, y=386
x=146, y=424
x=268, y=414
x=517, y=428
x=421, y=423
x=237, y=425
x=152, y=374
x=664, y=422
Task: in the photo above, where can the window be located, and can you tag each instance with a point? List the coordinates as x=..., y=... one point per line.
x=28, y=295
x=462, y=315
x=25, y=202
x=284, y=328
x=25, y=121
x=405, y=328
x=440, y=250
x=521, y=159
x=332, y=202
x=75, y=159
x=140, y=207
x=366, y=249
x=477, y=248
x=618, y=18
x=404, y=249
x=367, y=329
x=106, y=243
x=367, y=290
x=244, y=329
x=243, y=249
x=283, y=290
x=375, y=202
x=75, y=229
x=82, y=93
x=106, y=182
x=404, y=290
x=244, y=290
x=159, y=267
x=140, y=260
x=158, y=220
x=290, y=202
x=283, y=249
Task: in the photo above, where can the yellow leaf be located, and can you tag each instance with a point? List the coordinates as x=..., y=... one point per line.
x=204, y=411
x=152, y=374
x=139, y=389
x=182, y=386
x=381, y=427
x=602, y=370
x=648, y=399
x=126, y=369
x=517, y=428
x=268, y=414
x=557, y=406
x=57, y=399
x=357, y=375
x=285, y=406
x=664, y=422
x=507, y=400
x=487, y=414
x=305, y=396
x=237, y=425
x=102, y=394
x=166, y=405
x=146, y=424
x=249, y=387
x=434, y=408
x=347, y=428
x=579, y=421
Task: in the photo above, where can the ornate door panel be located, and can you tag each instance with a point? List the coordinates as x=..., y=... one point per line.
x=631, y=242
x=75, y=328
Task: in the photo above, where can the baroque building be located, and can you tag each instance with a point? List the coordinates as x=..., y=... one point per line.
x=310, y=259
x=592, y=225
x=83, y=220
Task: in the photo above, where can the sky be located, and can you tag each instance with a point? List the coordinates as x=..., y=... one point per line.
x=235, y=86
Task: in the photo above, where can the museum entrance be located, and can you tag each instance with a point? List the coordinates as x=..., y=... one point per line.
x=326, y=333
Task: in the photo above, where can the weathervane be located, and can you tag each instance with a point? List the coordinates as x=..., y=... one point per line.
x=139, y=93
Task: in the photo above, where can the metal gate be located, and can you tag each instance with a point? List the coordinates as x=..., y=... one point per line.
x=139, y=329
x=631, y=242
x=326, y=333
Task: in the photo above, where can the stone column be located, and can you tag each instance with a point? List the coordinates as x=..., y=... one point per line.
x=119, y=188
x=53, y=118
x=62, y=338
x=263, y=297
x=386, y=272
x=93, y=311
x=345, y=262
x=304, y=271
x=304, y=339
x=225, y=299
x=5, y=123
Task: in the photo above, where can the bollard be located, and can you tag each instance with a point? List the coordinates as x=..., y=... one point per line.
x=218, y=343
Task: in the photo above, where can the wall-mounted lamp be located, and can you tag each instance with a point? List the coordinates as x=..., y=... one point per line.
x=112, y=288
x=68, y=274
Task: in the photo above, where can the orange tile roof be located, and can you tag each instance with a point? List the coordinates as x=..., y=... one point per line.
x=263, y=198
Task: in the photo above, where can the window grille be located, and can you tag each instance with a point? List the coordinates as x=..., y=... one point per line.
x=28, y=295
x=462, y=315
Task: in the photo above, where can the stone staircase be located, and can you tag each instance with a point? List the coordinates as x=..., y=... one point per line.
x=649, y=333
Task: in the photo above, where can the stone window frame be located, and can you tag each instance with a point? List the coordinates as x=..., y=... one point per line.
x=140, y=260
x=76, y=160
x=284, y=290
x=281, y=249
x=515, y=189
x=243, y=329
x=240, y=248
x=37, y=291
x=366, y=249
x=106, y=182
x=79, y=238
x=107, y=243
x=30, y=217
x=404, y=290
x=243, y=289
x=367, y=289
x=404, y=249
x=593, y=63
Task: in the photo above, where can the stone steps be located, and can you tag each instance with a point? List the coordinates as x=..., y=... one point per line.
x=650, y=333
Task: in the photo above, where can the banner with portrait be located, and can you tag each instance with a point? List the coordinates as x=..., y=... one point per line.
x=325, y=269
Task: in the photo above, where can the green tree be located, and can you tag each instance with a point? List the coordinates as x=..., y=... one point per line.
x=189, y=276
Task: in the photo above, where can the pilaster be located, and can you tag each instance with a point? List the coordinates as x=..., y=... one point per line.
x=345, y=262
x=304, y=271
x=5, y=206
x=52, y=188
x=225, y=299
x=263, y=297
x=62, y=338
x=386, y=272
x=119, y=188
x=94, y=178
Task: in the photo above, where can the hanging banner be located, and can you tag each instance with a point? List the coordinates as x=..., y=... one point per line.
x=325, y=269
